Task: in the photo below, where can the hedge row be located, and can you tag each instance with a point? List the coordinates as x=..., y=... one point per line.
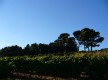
x=62, y=66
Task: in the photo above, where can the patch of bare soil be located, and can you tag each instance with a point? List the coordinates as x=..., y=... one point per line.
x=44, y=77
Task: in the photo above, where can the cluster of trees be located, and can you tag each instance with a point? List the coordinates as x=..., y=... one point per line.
x=64, y=43
x=88, y=38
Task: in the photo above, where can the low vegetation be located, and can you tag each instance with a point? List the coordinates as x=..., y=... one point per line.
x=94, y=64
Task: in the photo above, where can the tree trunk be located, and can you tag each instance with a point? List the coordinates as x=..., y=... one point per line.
x=91, y=48
x=88, y=48
x=78, y=48
x=84, y=48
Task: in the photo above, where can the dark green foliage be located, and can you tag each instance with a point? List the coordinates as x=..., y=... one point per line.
x=88, y=38
x=32, y=49
x=11, y=51
x=65, y=43
x=36, y=49
x=99, y=67
x=62, y=66
x=6, y=67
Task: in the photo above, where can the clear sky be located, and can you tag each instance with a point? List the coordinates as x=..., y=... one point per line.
x=41, y=21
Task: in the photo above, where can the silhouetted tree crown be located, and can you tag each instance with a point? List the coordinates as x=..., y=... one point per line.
x=66, y=42
x=11, y=51
x=88, y=38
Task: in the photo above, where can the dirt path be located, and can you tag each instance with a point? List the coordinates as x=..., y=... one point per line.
x=40, y=77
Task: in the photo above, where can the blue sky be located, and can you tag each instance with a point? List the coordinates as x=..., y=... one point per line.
x=41, y=21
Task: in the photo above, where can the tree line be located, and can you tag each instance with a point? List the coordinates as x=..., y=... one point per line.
x=64, y=43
